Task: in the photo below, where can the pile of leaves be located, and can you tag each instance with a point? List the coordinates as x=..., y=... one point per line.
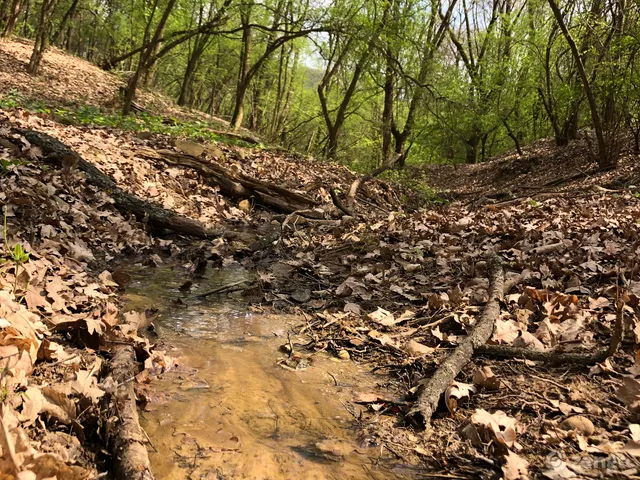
x=59, y=315
x=400, y=293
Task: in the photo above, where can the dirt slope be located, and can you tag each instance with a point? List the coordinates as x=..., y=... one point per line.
x=544, y=168
x=66, y=80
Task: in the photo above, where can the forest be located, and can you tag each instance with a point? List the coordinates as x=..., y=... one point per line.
x=346, y=239
x=369, y=82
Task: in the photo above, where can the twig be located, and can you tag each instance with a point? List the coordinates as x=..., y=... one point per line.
x=548, y=380
x=148, y=439
x=64, y=360
x=221, y=289
x=446, y=373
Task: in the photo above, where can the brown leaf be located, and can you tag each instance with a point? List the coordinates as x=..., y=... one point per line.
x=456, y=393
x=484, y=377
x=515, y=467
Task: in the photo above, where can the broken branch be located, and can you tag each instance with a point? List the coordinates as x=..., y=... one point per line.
x=446, y=373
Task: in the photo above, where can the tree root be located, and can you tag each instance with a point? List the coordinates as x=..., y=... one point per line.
x=552, y=357
x=446, y=373
x=58, y=153
x=125, y=437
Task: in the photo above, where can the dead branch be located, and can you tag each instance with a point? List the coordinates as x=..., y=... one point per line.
x=338, y=202
x=357, y=183
x=553, y=357
x=124, y=434
x=232, y=185
x=446, y=373
x=228, y=288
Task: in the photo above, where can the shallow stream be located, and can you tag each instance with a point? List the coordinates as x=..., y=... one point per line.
x=231, y=411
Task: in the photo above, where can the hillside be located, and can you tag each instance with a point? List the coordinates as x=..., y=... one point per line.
x=543, y=169
x=146, y=267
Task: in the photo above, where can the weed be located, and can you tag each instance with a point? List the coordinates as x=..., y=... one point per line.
x=7, y=165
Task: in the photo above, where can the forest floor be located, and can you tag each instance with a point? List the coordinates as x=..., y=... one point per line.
x=396, y=287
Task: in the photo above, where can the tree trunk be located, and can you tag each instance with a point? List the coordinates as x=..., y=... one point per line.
x=67, y=16
x=471, y=149
x=12, y=15
x=42, y=36
x=387, y=112
x=144, y=59
x=243, y=72
x=606, y=156
x=187, y=82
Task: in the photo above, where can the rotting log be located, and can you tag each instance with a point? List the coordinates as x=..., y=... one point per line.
x=239, y=186
x=55, y=152
x=125, y=437
x=446, y=373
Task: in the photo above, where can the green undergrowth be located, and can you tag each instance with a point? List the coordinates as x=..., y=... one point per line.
x=140, y=122
x=416, y=188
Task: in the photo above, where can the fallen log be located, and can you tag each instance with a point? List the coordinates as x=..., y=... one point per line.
x=58, y=153
x=239, y=186
x=446, y=373
x=125, y=437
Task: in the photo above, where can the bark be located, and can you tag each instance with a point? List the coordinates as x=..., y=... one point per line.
x=124, y=435
x=449, y=369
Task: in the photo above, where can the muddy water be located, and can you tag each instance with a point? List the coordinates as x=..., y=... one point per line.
x=231, y=412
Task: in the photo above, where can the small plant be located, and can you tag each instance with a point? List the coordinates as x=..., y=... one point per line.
x=7, y=165
x=17, y=253
x=534, y=204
